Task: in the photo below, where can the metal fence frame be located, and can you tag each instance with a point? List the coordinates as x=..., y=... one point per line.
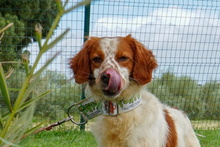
x=88, y=16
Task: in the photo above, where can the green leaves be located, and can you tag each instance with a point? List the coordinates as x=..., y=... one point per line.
x=29, y=102
x=4, y=89
x=55, y=41
x=15, y=121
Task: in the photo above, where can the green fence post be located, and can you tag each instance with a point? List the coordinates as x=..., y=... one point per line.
x=86, y=33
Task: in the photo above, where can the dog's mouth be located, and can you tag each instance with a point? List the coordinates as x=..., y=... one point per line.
x=111, y=83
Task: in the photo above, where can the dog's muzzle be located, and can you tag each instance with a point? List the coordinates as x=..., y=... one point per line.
x=111, y=82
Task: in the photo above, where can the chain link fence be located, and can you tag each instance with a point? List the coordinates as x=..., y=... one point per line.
x=184, y=36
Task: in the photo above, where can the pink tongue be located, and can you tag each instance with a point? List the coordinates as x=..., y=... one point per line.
x=114, y=81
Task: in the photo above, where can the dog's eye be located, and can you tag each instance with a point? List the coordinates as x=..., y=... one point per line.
x=122, y=58
x=97, y=60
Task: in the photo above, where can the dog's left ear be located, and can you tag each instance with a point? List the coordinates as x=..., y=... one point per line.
x=145, y=62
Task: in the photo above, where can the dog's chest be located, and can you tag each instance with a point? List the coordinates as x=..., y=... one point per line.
x=116, y=131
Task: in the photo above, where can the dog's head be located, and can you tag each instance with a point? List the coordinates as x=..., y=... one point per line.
x=109, y=65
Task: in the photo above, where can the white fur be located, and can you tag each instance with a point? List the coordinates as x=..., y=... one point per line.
x=144, y=126
x=109, y=48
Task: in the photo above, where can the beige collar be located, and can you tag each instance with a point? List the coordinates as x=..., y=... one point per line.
x=90, y=109
x=116, y=108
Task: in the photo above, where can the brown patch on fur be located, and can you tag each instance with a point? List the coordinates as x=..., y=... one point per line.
x=172, y=136
x=144, y=60
x=81, y=64
x=125, y=50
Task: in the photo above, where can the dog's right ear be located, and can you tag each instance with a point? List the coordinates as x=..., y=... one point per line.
x=80, y=63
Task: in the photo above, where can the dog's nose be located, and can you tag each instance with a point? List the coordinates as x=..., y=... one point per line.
x=105, y=78
x=110, y=82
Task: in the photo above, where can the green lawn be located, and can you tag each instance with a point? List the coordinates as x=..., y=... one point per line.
x=209, y=138
x=60, y=138
x=74, y=138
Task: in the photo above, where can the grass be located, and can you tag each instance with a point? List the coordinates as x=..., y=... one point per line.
x=60, y=138
x=75, y=138
x=209, y=138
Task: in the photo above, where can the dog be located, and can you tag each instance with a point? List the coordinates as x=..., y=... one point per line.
x=115, y=71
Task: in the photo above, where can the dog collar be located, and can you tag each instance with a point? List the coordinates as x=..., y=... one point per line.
x=90, y=109
x=116, y=108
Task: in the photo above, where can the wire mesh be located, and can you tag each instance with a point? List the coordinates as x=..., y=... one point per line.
x=184, y=36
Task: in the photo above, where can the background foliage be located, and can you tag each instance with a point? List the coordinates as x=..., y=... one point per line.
x=198, y=101
x=19, y=99
x=25, y=15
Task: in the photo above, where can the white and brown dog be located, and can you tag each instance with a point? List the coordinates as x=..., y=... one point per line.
x=115, y=70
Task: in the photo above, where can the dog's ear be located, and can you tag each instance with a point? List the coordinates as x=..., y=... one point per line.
x=145, y=62
x=80, y=63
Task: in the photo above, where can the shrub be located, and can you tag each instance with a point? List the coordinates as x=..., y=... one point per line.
x=62, y=95
x=181, y=92
x=210, y=94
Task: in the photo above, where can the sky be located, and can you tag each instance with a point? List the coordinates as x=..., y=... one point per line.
x=184, y=35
